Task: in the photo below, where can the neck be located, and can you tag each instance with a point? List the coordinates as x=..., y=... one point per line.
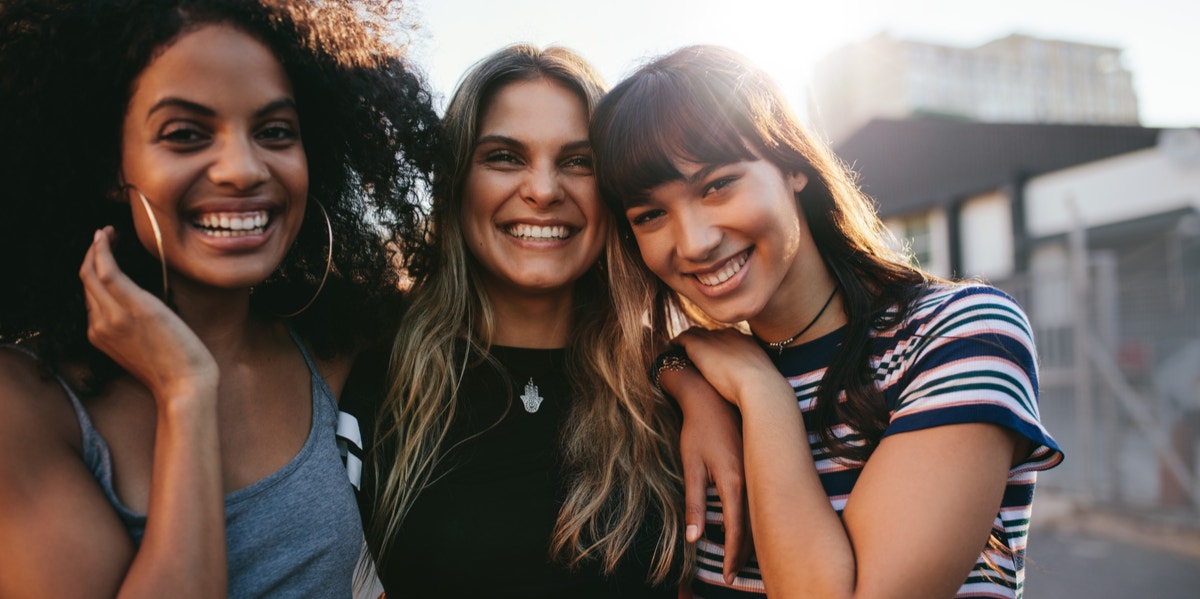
x=811, y=311
x=812, y=323
x=532, y=321
x=220, y=318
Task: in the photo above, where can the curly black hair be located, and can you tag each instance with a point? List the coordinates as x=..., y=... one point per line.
x=67, y=69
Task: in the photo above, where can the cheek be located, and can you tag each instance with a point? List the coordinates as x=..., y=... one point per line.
x=297, y=176
x=603, y=226
x=792, y=229
x=585, y=195
x=655, y=249
x=142, y=226
x=471, y=219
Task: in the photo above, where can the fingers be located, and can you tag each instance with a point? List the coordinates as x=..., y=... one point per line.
x=736, y=519
x=98, y=299
x=111, y=298
x=107, y=271
x=695, y=497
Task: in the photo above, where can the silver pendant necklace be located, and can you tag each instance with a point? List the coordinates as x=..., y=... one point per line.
x=530, y=398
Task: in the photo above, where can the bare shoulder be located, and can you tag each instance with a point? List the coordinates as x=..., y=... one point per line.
x=53, y=516
x=34, y=408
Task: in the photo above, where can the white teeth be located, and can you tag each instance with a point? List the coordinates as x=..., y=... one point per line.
x=232, y=224
x=731, y=268
x=524, y=231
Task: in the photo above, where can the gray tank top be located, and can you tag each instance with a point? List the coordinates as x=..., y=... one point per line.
x=295, y=533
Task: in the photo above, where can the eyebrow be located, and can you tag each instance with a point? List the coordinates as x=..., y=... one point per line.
x=572, y=146
x=703, y=173
x=700, y=175
x=206, y=111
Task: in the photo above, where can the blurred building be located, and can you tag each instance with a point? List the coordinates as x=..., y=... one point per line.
x=1016, y=79
x=954, y=190
x=1095, y=230
x=1022, y=162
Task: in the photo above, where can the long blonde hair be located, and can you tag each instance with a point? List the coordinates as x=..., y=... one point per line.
x=620, y=441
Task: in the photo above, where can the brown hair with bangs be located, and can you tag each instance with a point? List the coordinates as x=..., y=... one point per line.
x=709, y=105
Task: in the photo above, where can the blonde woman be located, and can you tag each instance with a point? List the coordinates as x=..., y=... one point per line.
x=522, y=449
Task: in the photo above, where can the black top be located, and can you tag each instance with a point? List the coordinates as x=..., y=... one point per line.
x=483, y=527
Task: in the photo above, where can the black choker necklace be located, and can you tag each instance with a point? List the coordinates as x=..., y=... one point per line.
x=779, y=345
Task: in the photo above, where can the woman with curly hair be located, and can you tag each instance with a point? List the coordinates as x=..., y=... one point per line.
x=167, y=426
x=522, y=449
x=890, y=418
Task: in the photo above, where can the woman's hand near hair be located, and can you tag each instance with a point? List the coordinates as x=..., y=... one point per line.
x=915, y=522
x=711, y=450
x=139, y=332
x=183, y=548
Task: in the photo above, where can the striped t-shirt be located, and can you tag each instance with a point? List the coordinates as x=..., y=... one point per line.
x=964, y=354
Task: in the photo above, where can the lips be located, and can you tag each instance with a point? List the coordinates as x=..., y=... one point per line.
x=540, y=233
x=724, y=272
x=232, y=224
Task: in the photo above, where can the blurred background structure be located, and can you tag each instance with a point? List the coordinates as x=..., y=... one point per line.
x=1014, y=79
x=1021, y=162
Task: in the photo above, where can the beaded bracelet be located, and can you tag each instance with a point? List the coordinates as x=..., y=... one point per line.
x=674, y=360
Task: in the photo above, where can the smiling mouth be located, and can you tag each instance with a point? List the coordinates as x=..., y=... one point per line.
x=539, y=233
x=232, y=224
x=732, y=267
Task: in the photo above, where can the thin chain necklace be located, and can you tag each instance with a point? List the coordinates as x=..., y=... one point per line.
x=779, y=345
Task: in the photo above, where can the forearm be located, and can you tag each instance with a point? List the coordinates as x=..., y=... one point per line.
x=691, y=392
x=183, y=549
x=802, y=547
x=920, y=512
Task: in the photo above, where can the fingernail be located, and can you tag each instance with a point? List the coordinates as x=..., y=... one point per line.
x=691, y=533
x=96, y=235
x=729, y=578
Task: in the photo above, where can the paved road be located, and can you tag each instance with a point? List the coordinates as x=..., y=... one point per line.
x=1068, y=565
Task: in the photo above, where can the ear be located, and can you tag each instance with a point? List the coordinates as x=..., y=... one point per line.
x=120, y=190
x=798, y=180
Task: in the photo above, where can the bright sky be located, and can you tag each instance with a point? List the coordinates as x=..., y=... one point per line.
x=1160, y=37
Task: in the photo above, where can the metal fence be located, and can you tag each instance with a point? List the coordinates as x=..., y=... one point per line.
x=1118, y=335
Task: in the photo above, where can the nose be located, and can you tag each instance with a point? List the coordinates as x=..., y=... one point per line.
x=238, y=164
x=541, y=186
x=696, y=235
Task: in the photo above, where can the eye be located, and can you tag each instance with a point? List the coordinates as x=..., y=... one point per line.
x=581, y=163
x=501, y=158
x=717, y=185
x=183, y=134
x=278, y=134
x=642, y=217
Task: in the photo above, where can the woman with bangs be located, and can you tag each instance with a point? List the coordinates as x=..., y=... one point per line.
x=522, y=450
x=890, y=418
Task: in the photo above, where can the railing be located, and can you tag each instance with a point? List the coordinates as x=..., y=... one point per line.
x=1119, y=361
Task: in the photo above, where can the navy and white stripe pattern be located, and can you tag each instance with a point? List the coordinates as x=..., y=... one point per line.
x=965, y=354
x=350, y=445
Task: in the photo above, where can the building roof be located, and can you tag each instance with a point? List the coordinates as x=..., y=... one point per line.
x=911, y=164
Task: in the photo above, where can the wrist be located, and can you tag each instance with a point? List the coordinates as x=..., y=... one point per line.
x=674, y=359
x=188, y=398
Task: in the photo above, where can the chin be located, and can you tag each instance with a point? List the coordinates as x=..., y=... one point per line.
x=727, y=312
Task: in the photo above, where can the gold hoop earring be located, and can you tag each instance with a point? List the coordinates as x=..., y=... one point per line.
x=162, y=258
x=328, y=263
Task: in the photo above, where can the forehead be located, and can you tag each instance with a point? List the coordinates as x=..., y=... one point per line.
x=535, y=108
x=211, y=65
